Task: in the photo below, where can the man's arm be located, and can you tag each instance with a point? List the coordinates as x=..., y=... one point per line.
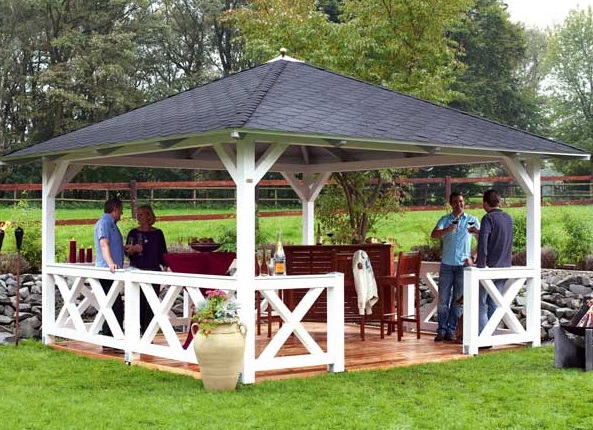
x=106, y=252
x=437, y=232
x=483, y=235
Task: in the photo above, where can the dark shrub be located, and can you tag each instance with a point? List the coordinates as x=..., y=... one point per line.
x=548, y=258
x=519, y=258
x=9, y=264
x=430, y=251
x=587, y=263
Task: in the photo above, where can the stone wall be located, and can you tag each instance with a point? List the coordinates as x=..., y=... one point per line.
x=562, y=295
x=563, y=292
x=29, y=287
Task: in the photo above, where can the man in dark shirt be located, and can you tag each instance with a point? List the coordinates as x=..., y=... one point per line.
x=495, y=247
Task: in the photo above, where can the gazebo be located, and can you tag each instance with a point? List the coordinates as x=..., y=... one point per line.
x=305, y=122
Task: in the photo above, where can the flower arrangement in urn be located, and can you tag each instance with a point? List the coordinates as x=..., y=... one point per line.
x=218, y=308
x=221, y=344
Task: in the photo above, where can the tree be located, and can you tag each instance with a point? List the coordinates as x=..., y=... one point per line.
x=367, y=198
x=398, y=44
x=67, y=64
x=402, y=45
x=492, y=50
x=190, y=44
x=570, y=59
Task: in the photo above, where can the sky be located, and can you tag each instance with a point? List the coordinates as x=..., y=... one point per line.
x=543, y=13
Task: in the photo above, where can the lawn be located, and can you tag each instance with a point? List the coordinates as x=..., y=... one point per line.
x=47, y=389
x=404, y=230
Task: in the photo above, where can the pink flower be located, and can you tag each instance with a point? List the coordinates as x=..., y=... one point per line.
x=216, y=293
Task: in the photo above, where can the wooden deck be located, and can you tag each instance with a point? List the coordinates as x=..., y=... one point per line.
x=373, y=353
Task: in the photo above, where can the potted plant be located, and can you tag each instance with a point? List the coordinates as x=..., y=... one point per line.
x=219, y=340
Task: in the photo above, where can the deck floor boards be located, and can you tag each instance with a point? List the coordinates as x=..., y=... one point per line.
x=373, y=353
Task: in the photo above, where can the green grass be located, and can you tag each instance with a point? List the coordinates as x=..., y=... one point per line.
x=408, y=229
x=47, y=389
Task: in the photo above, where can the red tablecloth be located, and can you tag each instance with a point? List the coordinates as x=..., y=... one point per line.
x=205, y=263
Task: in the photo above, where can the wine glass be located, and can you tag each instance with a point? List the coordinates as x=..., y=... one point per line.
x=140, y=241
x=259, y=257
x=270, y=266
x=330, y=235
x=129, y=245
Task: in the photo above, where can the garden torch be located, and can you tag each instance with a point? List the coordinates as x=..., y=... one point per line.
x=18, y=235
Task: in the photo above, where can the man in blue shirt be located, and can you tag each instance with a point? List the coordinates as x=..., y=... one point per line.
x=453, y=229
x=109, y=246
x=495, y=248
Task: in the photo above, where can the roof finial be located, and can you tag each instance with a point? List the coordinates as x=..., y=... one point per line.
x=284, y=57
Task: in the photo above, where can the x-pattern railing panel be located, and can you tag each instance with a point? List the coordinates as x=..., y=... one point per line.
x=516, y=279
x=81, y=289
x=71, y=312
x=503, y=301
x=292, y=322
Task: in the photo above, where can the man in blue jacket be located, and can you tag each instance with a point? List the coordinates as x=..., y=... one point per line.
x=495, y=248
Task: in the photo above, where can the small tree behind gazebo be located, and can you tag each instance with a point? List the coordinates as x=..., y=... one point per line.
x=350, y=206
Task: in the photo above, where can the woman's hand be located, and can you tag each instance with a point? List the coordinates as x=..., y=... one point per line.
x=133, y=249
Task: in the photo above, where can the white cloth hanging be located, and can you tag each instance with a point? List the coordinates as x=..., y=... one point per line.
x=364, y=282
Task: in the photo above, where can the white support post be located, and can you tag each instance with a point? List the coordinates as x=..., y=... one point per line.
x=308, y=190
x=52, y=179
x=533, y=207
x=132, y=319
x=246, y=171
x=246, y=182
x=471, y=300
x=530, y=180
x=308, y=222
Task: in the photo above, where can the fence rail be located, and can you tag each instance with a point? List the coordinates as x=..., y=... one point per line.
x=424, y=192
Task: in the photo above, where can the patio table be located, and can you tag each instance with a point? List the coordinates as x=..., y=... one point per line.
x=205, y=263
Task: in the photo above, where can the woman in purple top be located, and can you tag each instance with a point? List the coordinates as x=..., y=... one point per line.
x=146, y=246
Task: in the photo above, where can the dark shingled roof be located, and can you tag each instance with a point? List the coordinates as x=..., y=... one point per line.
x=294, y=97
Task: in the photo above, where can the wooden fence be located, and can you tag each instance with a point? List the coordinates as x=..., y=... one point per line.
x=425, y=192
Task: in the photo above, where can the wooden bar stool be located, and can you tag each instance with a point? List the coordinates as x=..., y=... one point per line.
x=407, y=274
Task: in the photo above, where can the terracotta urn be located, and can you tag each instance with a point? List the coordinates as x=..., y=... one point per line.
x=220, y=355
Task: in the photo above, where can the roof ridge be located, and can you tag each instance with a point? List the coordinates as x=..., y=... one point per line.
x=259, y=93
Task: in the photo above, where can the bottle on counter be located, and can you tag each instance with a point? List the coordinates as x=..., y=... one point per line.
x=279, y=257
x=319, y=235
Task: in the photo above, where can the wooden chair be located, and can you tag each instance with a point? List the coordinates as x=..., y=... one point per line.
x=269, y=317
x=407, y=274
x=342, y=262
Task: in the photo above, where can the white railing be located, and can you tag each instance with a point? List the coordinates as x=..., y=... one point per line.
x=429, y=270
x=80, y=290
x=333, y=357
x=517, y=278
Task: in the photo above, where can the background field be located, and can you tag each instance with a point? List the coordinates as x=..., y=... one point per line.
x=405, y=230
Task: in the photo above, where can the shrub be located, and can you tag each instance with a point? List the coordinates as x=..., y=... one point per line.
x=430, y=251
x=9, y=264
x=548, y=258
x=519, y=233
x=580, y=240
x=587, y=263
